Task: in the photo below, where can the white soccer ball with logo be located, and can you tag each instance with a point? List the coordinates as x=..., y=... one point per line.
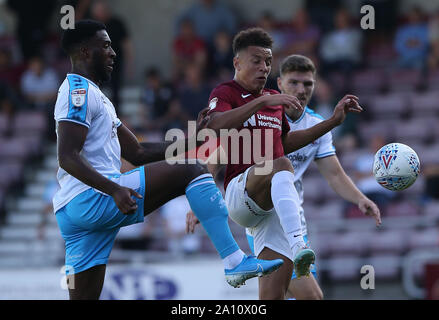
x=396, y=166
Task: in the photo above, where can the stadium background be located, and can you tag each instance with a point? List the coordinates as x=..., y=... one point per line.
x=167, y=70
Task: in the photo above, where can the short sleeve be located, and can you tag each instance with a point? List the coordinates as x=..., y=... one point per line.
x=75, y=102
x=326, y=147
x=219, y=100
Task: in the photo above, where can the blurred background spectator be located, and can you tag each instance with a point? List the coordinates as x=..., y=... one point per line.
x=433, y=32
x=194, y=91
x=411, y=40
x=341, y=48
x=121, y=44
x=32, y=26
x=208, y=18
x=157, y=100
x=39, y=84
x=10, y=73
x=188, y=48
x=301, y=36
x=221, y=57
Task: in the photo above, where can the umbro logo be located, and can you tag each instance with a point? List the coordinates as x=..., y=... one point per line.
x=246, y=95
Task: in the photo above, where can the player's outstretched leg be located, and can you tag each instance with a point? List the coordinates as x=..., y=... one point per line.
x=165, y=182
x=277, y=190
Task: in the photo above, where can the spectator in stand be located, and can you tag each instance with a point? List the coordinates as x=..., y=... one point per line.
x=7, y=110
x=222, y=57
x=209, y=17
x=411, y=41
x=188, y=48
x=433, y=35
x=33, y=20
x=194, y=93
x=121, y=44
x=322, y=13
x=158, y=100
x=268, y=22
x=276, y=30
x=10, y=74
x=301, y=36
x=39, y=84
x=431, y=175
x=341, y=49
x=39, y=87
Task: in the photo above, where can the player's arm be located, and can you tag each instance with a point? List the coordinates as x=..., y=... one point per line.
x=71, y=138
x=140, y=153
x=342, y=184
x=295, y=140
x=146, y=152
x=234, y=118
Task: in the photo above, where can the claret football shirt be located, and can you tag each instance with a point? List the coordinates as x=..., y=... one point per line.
x=265, y=129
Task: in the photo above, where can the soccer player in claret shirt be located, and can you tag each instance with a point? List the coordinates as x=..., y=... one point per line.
x=297, y=77
x=95, y=199
x=252, y=197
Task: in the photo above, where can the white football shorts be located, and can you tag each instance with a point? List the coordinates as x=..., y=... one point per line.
x=263, y=225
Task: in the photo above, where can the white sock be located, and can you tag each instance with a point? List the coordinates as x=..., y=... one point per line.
x=286, y=202
x=233, y=259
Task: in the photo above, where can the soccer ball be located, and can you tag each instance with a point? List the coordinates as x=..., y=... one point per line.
x=396, y=166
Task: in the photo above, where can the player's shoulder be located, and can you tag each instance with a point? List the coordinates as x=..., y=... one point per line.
x=228, y=91
x=312, y=116
x=76, y=91
x=227, y=86
x=78, y=82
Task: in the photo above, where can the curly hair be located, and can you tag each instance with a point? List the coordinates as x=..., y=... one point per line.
x=84, y=30
x=252, y=37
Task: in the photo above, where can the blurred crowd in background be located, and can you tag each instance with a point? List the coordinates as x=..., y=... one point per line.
x=394, y=69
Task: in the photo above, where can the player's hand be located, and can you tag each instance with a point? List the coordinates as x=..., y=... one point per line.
x=203, y=118
x=349, y=103
x=369, y=208
x=286, y=100
x=124, y=200
x=191, y=222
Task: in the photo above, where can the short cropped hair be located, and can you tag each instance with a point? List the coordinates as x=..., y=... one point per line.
x=251, y=37
x=297, y=62
x=84, y=30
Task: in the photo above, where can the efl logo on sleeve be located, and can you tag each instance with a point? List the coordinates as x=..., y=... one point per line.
x=78, y=97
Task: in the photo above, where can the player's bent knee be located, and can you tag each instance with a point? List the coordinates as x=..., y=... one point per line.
x=193, y=171
x=314, y=294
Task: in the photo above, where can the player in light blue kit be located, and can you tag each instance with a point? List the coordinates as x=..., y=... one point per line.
x=95, y=199
x=297, y=78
